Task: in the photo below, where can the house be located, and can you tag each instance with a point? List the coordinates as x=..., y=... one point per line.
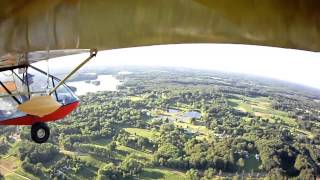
x=257, y=157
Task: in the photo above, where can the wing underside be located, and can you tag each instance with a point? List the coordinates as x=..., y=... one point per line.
x=14, y=60
x=29, y=28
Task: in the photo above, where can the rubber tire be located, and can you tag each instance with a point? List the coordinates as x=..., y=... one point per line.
x=34, y=129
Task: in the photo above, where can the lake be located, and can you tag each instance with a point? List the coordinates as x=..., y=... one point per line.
x=107, y=83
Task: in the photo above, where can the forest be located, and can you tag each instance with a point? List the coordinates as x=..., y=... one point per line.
x=166, y=123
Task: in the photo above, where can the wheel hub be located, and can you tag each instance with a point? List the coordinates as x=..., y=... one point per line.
x=41, y=133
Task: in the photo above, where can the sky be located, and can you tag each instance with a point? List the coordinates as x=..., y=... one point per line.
x=296, y=66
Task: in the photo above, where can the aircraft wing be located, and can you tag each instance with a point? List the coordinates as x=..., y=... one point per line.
x=13, y=60
x=28, y=28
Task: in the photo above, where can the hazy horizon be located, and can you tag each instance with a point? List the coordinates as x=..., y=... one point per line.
x=283, y=64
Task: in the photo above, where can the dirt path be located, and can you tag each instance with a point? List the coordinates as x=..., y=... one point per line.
x=8, y=170
x=7, y=166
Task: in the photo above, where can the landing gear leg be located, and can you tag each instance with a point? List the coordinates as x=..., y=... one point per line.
x=40, y=132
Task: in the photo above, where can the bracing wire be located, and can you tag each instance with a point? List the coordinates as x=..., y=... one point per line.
x=48, y=88
x=48, y=74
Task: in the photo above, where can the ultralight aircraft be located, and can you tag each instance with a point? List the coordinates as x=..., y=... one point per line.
x=37, y=30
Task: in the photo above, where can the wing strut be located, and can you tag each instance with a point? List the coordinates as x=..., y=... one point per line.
x=93, y=53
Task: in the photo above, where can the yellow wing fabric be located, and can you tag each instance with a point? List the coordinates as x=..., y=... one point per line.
x=38, y=25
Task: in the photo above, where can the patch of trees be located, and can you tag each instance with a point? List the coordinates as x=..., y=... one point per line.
x=36, y=153
x=176, y=151
x=169, y=133
x=112, y=110
x=134, y=141
x=230, y=154
x=34, y=169
x=291, y=160
x=168, y=155
x=223, y=119
x=7, y=130
x=4, y=147
x=96, y=151
x=298, y=107
x=128, y=168
x=65, y=165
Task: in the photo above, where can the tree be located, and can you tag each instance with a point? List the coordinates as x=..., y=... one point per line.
x=38, y=153
x=131, y=166
x=112, y=146
x=192, y=174
x=241, y=163
x=307, y=174
x=276, y=174
x=109, y=171
x=209, y=173
x=165, y=152
x=4, y=147
x=142, y=142
x=31, y=168
x=192, y=120
x=301, y=162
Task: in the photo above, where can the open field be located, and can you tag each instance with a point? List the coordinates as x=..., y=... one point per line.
x=135, y=98
x=8, y=164
x=261, y=107
x=143, y=133
x=163, y=173
x=143, y=155
x=202, y=130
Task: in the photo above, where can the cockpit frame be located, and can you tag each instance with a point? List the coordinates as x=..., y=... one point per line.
x=63, y=95
x=24, y=80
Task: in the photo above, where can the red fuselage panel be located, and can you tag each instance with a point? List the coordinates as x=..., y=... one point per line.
x=62, y=112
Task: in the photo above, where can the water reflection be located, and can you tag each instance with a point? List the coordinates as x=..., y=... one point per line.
x=107, y=83
x=193, y=114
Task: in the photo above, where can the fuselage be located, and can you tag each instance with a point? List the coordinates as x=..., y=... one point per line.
x=62, y=112
x=17, y=89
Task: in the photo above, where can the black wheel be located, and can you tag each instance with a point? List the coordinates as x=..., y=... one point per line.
x=40, y=132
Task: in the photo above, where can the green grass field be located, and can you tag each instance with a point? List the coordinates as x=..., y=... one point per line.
x=20, y=174
x=92, y=161
x=138, y=154
x=135, y=98
x=102, y=142
x=194, y=128
x=150, y=134
x=261, y=107
x=162, y=173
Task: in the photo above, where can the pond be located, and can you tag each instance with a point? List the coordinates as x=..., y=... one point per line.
x=173, y=111
x=193, y=114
